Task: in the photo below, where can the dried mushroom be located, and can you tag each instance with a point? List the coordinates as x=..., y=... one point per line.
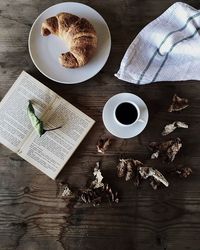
x=102, y=145
x=184, y=172
x=135, y=170
x=98, y=190
x=154, y=183
x=171, y=127
x=128, y=168
x=98, y=177
x=178, y=104
x=90, y=196
x=121, y=168
x=67, y=192
x=146, y=172
x=174, y=149
x=167, y=149
x=98, y=195
x=129, y=173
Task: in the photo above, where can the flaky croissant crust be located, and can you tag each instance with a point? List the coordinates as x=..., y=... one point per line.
x=78, y=34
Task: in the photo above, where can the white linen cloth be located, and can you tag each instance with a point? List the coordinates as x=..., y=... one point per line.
x=167, y=49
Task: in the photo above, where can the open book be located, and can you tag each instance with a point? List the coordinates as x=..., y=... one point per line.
x=50, y=152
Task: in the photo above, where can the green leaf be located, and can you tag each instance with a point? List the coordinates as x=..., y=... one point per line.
x=35, y=121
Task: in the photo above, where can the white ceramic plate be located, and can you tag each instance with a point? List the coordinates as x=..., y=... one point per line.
x=120, y=130
x=44, y=51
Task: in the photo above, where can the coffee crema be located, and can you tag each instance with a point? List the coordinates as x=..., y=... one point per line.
x=126, y=113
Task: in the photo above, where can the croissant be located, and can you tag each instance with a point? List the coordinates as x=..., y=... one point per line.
x=78, y=34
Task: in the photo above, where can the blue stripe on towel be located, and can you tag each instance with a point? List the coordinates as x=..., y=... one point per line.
x=174, y=45
x=158, y=49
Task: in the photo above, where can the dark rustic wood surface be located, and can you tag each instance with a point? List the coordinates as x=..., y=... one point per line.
x=33, y=216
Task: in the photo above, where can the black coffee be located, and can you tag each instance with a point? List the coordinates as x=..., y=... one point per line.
x=126, y=113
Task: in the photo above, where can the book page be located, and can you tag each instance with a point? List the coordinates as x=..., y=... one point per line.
x=50, y=152
x=15, y=125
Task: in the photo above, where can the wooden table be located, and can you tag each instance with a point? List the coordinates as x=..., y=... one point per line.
x=33, y=216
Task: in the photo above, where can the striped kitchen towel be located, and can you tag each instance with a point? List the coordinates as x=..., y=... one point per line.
x=167, y=49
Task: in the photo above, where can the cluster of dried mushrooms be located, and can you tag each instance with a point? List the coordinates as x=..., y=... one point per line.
x=170, y=148
x=96, y=192
x=131, y=169
x=137, y=171
x=169, y=128
x=167, y=149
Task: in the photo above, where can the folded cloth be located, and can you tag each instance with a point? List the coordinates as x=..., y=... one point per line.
x=167, y=49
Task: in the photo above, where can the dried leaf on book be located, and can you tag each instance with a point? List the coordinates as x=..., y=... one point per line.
x=178, y=104
x=102, y=145
x=167, y=149
x=171, y=127
x=36, y=122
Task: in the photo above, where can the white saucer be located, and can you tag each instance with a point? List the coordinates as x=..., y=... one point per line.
x=44, y=51
x=118, y=129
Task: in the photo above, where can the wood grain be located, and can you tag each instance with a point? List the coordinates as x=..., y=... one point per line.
x=33, y=215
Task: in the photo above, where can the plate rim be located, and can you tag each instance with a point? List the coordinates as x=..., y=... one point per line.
x=68, y=82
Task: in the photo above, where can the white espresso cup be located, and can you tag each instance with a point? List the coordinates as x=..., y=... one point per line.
x=125, y=115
